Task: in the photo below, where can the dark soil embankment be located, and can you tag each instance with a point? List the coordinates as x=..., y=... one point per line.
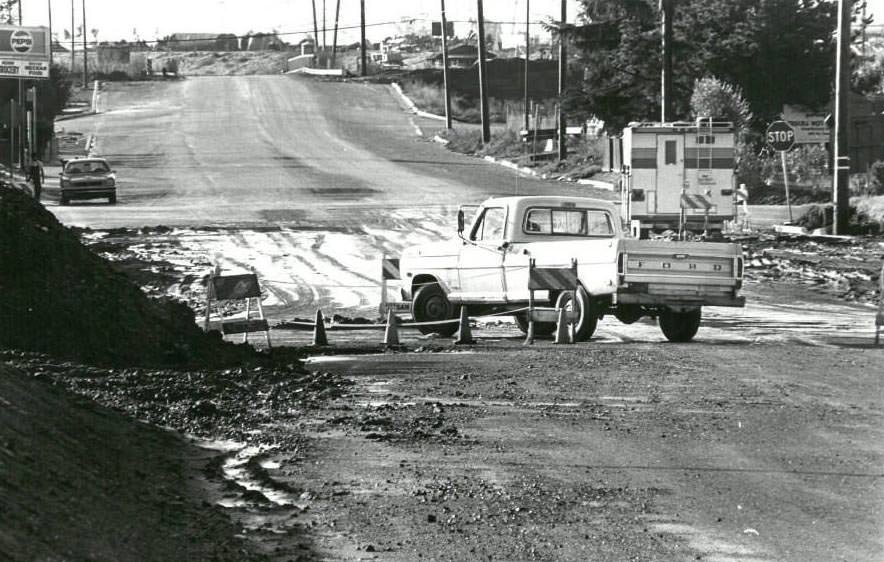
x=78, y=482
x=60, y=298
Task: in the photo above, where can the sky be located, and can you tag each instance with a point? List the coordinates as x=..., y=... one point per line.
x=117, y=19
x=151, y=19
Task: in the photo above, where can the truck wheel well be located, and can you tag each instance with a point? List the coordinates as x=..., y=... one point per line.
x=420, y=281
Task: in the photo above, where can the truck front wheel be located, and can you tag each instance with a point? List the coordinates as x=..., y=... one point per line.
x=430, y=304
x=587, y=318
x=680, y=326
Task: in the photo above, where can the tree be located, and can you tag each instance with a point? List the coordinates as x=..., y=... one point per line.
x=775, y=51
x=715, y=98
x=8, y=12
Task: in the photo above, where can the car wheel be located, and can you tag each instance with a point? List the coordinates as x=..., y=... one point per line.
x=64, y=200
x=587, y=318
x=112, y=199
x=540, y=328
x=680, y=326
x=431, y=304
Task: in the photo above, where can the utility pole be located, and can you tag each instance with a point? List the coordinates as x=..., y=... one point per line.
x=315, y=36
x=363, y=47
x=85, y=50
x=335, y=36
x=666, y=77
x=21, y=111
x=49, y=6
x=73, y=36
x=842, y=119
x=445, y=68
x=483, y=78
x=563, y=72
x=527, y=51
x=324, y=44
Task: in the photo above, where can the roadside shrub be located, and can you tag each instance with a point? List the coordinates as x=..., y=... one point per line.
x=464, y=141
x=506, y=144
x=875, y=182
x=172, y=65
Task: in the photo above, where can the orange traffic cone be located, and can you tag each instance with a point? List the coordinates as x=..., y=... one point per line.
x=319, y=336
x=563, y=335
x=464, y=333
x=391, y=334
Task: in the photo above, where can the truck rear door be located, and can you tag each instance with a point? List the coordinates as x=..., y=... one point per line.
x=670, y=173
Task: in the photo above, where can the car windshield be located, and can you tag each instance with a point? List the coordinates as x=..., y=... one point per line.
x=90, y=167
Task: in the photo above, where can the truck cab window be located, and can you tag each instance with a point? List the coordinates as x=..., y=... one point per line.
x=600, y=223
x=491, y=225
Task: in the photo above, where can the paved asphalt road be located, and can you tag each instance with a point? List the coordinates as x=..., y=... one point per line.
x=274, y=150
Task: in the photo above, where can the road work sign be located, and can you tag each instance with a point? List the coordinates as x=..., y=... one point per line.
x=24, y=52
x=810, y=126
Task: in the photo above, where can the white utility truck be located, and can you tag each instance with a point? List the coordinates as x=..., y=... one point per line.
x=678, y=176
x=487, y=269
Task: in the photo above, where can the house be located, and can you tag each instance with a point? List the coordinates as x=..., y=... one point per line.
x=462, y=56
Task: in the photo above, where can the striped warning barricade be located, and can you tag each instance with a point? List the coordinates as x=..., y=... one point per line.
x=695, y=201
x=390, y=272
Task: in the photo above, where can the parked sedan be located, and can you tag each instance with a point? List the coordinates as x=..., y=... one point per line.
x=88, y=178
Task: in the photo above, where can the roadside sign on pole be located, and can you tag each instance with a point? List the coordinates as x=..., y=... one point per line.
x=780, y=136
x=24, y=52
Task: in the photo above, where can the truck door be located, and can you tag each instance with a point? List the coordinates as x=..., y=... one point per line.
x=480, y=262
x=670, y=173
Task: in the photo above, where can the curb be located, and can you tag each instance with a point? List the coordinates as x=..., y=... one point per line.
x=411, y=106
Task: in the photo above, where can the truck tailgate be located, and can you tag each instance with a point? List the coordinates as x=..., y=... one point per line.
x=691, y=273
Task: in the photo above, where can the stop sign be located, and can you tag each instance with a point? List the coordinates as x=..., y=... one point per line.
x=780, y=136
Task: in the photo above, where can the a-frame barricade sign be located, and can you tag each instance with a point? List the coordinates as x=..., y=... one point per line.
x=237, y=287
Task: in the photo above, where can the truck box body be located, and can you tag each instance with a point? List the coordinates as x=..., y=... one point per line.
x=679, y=166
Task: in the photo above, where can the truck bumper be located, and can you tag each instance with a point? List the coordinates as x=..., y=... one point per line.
x=680, y=300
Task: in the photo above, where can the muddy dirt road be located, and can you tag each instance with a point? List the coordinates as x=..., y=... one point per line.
x=762, y=441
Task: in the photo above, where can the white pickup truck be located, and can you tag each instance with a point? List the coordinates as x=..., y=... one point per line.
x=487, y=269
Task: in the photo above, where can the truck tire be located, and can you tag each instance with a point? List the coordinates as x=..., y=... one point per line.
x=541, y=329
x=431, y=304
x=680, y=326
x=587, y=319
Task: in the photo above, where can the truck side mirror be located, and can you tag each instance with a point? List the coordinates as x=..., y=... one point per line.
x=460, y=221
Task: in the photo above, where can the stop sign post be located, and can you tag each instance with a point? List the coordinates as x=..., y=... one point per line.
x=781, y=137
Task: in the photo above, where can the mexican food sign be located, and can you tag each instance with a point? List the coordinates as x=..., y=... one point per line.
x=24, y=52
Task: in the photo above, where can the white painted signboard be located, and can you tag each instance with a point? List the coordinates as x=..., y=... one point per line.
x=24, y=52
x=810, y=126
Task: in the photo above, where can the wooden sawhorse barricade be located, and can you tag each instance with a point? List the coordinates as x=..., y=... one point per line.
x=237, y=287
x=552, y=279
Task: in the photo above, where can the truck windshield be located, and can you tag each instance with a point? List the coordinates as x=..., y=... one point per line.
x=568, y=222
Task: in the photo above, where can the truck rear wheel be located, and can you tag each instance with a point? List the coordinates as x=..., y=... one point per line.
x=680, y=326
x=587, y=319
x=431, y=304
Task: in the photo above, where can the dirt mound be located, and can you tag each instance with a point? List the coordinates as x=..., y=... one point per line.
x=60, y=298
x=82, y=483
x=226, y=63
